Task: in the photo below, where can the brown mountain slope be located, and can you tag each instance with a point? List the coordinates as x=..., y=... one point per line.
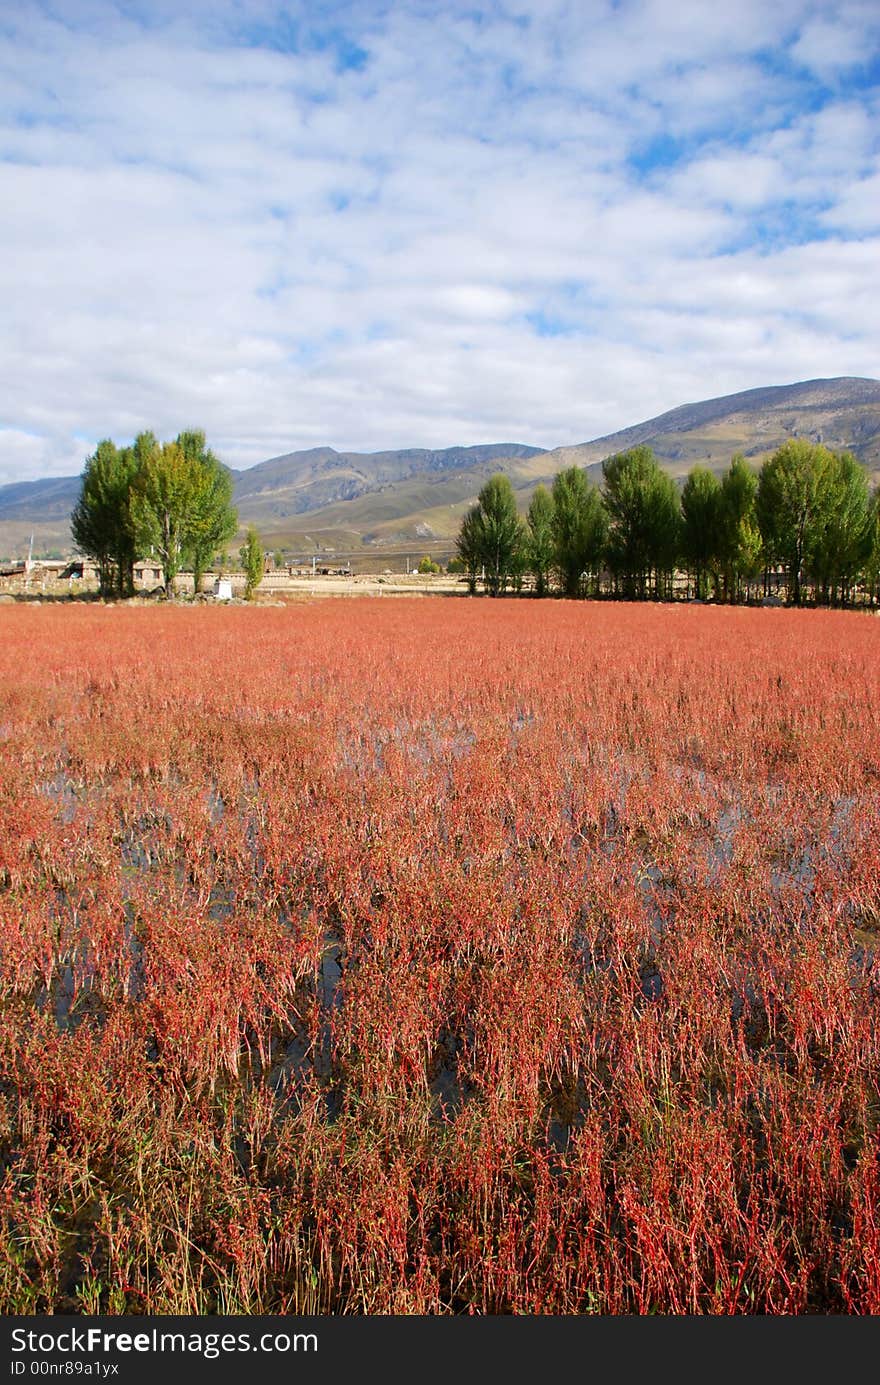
x=842, y=413
x=355, y=502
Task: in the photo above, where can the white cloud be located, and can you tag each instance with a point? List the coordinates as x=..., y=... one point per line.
x=826, y=46
x=490, y=230
x=31, y=455
x=858, y=207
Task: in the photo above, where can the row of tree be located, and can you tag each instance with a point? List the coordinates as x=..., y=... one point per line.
x=170, y=500
x=809, y=513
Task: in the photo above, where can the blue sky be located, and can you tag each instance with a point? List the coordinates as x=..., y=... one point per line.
x=386, y=225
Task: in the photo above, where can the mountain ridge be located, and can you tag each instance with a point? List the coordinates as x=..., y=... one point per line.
x=321, y=498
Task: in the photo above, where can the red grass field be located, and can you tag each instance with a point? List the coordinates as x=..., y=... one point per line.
x=449, y=956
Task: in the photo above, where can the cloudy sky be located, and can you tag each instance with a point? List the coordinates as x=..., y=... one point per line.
x=418, y=223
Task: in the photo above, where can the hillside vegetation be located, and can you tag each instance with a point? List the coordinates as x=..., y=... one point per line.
x=320, y=498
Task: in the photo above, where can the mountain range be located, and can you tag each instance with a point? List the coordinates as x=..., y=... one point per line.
x=322, y=500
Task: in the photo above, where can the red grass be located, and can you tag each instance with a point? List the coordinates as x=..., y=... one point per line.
x=451, y=956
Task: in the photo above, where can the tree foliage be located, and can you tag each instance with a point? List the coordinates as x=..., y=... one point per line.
x=172, y=499
x=102, y=524
x=163, y=502
x=701, y=525
x=539, y=541
x=841, y=541
x=251, y=554
x=809, y=511
x=211, y=520
x=492, y=540
x=872, y=544
x=502, y=532
x=644, y=521
x=789, y=506
x=740, y=544
x=469, y=545
x=580, y=528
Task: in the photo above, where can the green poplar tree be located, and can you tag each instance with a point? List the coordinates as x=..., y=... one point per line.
x=840, y=543
x=580, y=528
x=540, y=538
x=644, y=521
x=469, y=545
x=102, y=524
x=211, y=519
x=789, y=506
x=251, y=554
x=163, y=500
x=740, y=543
x=701, y=520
